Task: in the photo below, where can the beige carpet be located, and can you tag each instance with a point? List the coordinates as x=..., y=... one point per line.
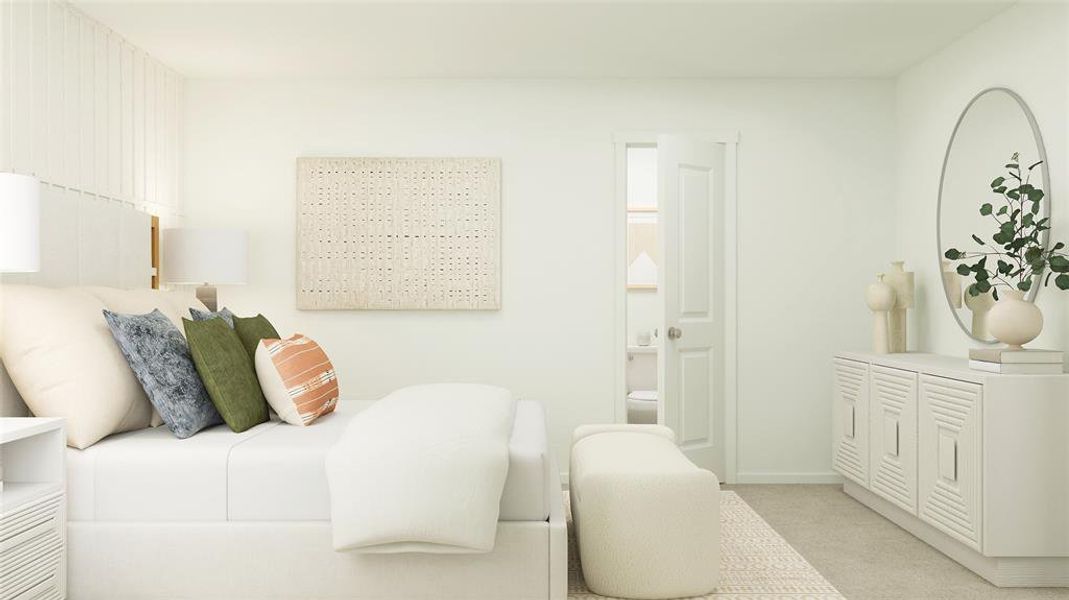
x=755, y=561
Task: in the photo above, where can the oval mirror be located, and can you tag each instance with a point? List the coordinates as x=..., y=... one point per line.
x=995, y=149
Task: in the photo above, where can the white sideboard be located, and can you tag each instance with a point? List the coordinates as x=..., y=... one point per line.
x=975, y=464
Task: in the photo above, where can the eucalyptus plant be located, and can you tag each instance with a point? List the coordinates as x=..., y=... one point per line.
x=1015, y=256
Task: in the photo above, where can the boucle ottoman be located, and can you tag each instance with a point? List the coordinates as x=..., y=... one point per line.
x=646, y=519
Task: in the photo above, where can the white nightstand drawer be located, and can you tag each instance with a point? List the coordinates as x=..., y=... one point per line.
x=33, y=510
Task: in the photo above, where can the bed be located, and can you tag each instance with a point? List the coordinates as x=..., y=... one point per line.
x=225, y=515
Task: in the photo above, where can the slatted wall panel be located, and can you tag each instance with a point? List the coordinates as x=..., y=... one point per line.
x=86, y=111
x=98, y=121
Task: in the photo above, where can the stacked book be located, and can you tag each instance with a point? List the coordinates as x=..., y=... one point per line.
x=1016, y=362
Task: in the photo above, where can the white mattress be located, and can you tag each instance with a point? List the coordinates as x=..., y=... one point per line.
x=272, y=472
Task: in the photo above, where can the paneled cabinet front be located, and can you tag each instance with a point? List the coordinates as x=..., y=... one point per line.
x=949, y=460
x=893, y=436
x=850, y=416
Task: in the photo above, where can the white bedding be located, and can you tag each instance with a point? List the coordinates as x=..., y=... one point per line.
x=422, y=470
x=273, y=472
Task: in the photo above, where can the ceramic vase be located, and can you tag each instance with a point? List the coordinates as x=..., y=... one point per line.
x=979, y=306
x=1013, y=320
x=901, y=281
x=880, y=298
x=952, y=284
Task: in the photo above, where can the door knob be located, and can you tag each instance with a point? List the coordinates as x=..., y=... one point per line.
x=674, y=333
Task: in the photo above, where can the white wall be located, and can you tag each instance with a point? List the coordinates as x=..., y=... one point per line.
x=643, y=310
x=1026, y=50
x=815, y=217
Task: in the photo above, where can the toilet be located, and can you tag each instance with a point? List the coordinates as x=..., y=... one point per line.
x=642, y=385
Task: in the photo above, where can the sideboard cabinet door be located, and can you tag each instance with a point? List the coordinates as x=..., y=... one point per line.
x=850, y=420
x=893, y=436
x=949, y=457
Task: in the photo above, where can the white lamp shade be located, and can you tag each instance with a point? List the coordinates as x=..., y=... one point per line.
x=20, y=227
x=204, y=256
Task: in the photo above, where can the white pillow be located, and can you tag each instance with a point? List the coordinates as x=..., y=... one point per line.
x=297, y=379
x=62, y=358
x=174, y=305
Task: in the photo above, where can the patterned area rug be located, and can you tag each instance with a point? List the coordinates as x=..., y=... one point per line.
x=755, y=561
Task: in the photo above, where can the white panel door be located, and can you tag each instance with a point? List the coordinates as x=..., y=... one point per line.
x=893, y=436
x=850, y=420
x=949, y=460
x=690, y=206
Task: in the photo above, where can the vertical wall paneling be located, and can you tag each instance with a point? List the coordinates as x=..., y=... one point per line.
x=55, y=86
x=98, y=121
x=115, y=131
x=137, y=94
x=21, y=94
x=39, y=88
x=87, y=105
x=71, y=129
x=152, y=113
x=5, y=86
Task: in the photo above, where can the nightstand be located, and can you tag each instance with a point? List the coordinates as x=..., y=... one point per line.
x=33, y=509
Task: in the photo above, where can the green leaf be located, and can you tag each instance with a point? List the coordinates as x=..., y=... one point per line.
x=1032, y=254
x=1057, y=246
x=1036, y=194
x=985, y=209
x=963, y=270
x=1035, y=164
x=998, y=181
x=1028, y=220
x=994, y=293
x=999, y=190
x=977, y=239
x=1004, y=267
x=983, y=286
x=1014, y=194
x=1059, y=264
x=1002, y=210
x=1024, y=285
x=1013, y=166
x=953, y=254
x=1062, y=281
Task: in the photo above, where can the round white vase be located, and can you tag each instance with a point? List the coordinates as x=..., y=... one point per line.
x=1014, y=321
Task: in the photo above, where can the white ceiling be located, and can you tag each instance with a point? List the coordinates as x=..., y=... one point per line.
x=716, y=38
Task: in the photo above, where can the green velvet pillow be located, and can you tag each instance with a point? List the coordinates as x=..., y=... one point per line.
x=227, y=373
x=253, y=329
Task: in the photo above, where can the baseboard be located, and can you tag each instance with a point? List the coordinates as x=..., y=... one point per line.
x=829, y=477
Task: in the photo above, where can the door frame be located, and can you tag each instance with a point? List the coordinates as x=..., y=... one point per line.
x=730, y=139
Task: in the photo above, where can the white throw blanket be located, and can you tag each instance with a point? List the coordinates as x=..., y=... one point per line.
x=422, y=470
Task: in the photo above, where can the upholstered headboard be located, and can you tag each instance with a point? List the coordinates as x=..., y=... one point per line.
x=85, y=240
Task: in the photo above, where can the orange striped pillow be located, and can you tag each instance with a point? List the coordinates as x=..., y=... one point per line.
x=297, y=379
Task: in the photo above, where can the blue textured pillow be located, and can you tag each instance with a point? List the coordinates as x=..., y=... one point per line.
x=204, y=315
x=159, y=356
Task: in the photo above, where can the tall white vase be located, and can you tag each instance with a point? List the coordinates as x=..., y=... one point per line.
x=901, y=281
x=1013, y=320
x=880, y=299
x=980, y=306
x=951, y=284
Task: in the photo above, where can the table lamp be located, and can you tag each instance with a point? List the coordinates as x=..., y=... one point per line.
x=206, y=258
x=20, y=231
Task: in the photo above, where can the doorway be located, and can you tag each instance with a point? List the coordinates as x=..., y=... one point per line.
x=676, y=273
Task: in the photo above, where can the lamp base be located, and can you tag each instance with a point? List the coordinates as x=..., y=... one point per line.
x=207, y=295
